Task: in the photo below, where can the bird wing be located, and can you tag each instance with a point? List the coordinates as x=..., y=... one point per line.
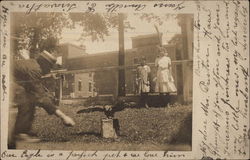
x=89, y=110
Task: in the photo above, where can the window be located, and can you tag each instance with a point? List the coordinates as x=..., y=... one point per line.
x=90, y=87
x=65, y=84
x=79, y=85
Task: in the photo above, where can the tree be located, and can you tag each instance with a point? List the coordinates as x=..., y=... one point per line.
x=40, y=31
x=36, y=32
x=154, y=18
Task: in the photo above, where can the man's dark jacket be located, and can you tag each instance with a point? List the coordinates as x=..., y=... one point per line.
x=29, y=87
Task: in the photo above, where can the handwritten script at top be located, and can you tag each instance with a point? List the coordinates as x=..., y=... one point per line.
x=109, y=7
x=222, y=70
x=115, y=7
x=36, y=7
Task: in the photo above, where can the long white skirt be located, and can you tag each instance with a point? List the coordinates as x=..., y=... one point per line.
x=164, y=82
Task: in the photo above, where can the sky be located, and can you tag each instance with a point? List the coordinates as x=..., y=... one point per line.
x=168, y=28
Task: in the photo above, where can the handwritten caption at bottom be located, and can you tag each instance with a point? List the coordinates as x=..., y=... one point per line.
x=80, y=155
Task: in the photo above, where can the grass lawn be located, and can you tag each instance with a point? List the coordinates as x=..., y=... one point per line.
x=167, y=128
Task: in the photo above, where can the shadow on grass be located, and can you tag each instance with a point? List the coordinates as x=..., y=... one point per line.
x=87, y=134
x=184, y=134
x=97, y=104
x=58, y=140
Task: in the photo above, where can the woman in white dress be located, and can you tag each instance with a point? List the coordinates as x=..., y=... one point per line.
x=164, y=78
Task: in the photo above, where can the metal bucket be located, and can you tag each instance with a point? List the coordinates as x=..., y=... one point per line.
x=110, y=128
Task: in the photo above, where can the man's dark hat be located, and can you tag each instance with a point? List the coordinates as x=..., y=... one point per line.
x=48, y=57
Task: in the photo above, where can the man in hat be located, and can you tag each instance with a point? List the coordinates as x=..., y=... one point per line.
x=30, y=92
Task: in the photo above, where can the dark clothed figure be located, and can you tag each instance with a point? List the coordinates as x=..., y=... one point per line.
x=30, y=92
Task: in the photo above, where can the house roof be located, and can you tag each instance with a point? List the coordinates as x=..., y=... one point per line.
x=72, y=45
x=127, y=51
x=146, y=36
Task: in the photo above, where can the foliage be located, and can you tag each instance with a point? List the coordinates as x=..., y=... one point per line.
x=154, y=18
x=166, y=125
x=93, y=25
x=36, y=32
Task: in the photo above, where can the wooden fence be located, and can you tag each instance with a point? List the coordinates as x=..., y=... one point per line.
x=181, y=70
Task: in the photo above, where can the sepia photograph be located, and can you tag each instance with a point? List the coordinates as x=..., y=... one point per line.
x=101, y=81
x=129, y=80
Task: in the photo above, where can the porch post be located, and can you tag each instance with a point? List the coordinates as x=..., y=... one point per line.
x=121, y=77
x=60, y=88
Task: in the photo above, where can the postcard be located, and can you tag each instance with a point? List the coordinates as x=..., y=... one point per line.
x=148, y=80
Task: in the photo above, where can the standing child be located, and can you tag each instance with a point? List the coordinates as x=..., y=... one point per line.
x=143, y=72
